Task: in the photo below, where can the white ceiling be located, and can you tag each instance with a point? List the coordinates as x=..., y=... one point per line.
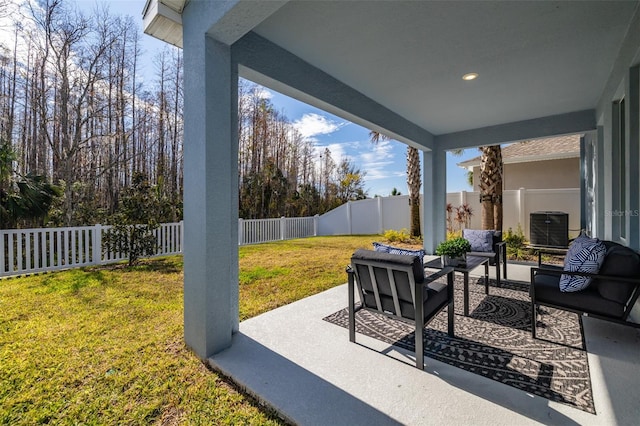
x=535, y=59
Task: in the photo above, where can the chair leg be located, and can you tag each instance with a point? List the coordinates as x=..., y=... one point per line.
x=504, y=263
x=352, y=311
x=451, y=307
x=533, y=319
x=419, y=337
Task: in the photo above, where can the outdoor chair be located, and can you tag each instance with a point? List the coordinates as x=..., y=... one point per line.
x=394, y=285
x=489, y=244
x=601, y=281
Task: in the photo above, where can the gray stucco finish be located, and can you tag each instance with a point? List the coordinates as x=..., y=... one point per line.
x=210, y=195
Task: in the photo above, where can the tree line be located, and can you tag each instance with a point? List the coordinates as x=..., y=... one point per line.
x=79, y=123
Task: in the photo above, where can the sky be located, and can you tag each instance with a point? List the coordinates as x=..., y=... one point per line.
x=384, y=164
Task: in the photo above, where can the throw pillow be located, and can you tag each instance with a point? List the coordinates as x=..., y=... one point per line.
x=397, y=250
x=575, y=248
x=585, y=255
x=480, y=240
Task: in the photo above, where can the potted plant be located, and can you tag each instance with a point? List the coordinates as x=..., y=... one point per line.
x=452, y=252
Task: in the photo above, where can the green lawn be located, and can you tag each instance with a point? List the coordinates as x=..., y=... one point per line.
x=105, y=345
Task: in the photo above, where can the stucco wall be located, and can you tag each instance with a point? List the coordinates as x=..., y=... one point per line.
x=548, y=174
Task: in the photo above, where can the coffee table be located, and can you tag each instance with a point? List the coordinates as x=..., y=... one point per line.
x=472, y=263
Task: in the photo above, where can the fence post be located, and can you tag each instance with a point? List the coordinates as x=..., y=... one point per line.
x=182, y=236
x=96, y=251
x=240, y=231
x=283, y=228
x=522, y=194
x=316, y=219
x=380, y=217
x=3, y=256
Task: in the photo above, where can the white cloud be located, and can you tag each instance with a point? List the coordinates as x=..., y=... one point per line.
x=380, y=161
x=381, y=150
x=311, y=124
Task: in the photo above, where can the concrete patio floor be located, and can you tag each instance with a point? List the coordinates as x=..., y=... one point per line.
x=307, y=370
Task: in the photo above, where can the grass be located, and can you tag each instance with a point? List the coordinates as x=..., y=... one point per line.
x=105, y=345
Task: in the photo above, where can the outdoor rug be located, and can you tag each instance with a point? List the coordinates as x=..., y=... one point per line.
x=495, y=341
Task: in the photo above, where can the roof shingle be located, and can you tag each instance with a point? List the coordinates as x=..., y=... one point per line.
x=566, y=146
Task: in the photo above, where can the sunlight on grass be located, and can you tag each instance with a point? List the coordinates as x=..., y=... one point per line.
x=105, y=345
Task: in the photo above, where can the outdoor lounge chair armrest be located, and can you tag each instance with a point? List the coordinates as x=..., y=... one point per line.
x=439, y=274
x=547, y=271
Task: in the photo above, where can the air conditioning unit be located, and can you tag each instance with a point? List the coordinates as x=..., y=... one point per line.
x=549, y=229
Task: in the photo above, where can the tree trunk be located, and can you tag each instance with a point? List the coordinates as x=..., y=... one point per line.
x=414, y=182
x=491, y=187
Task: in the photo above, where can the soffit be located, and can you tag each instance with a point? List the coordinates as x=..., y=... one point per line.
x=535, y=59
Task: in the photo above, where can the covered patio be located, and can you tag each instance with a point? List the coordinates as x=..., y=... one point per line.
x=307, y=369
x=396, y=67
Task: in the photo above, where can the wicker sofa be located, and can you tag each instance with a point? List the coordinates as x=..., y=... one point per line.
x=610, y=296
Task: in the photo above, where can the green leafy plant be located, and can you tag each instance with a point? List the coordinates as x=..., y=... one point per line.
x=401, y=236
x=454, y=247
x=515, y=239
x=133, y=226
x=516, y=244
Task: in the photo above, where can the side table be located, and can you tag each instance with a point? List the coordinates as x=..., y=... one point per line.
x=472, y=263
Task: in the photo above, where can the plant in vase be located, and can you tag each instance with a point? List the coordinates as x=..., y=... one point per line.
x=453, y=252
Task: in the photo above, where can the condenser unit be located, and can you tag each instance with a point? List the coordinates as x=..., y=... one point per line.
x=549, y=229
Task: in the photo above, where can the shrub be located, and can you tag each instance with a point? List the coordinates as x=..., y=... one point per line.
x=516, y=244
x=134, y=223
x=454, y=234
x=515, y=240
x=401, y=236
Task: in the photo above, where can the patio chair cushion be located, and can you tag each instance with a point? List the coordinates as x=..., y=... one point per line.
x=384, y=248
x=620, y=261
x=433, y=296
x=414, y=261
x=480, y=240
x=588, y=300
x=584, y=255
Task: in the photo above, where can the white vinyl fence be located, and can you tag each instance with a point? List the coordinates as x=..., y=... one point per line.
x=376, y=215
x=254, y=231
x=26, y=251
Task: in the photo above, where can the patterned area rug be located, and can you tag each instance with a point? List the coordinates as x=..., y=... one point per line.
x=495, y=342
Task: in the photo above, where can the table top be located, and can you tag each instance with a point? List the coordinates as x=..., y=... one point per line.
x=472, y=263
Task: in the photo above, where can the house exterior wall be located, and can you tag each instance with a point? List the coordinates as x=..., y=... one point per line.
x=548, y=174
x=617, y=179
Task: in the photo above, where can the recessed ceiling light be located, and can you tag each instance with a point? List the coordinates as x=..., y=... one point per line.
x=470, y=76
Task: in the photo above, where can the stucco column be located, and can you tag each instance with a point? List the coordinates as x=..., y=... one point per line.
x=210, y=194
x=435, y=199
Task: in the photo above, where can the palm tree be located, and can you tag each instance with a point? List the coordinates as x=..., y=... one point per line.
x=28, y=198
x=491, y=171
x=414, y=181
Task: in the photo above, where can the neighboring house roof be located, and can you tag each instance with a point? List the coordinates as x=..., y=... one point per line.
x=555, y=148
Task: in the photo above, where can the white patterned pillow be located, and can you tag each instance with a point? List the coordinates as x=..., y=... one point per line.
x=397, y=250
x=480, y=240
x=585, y=255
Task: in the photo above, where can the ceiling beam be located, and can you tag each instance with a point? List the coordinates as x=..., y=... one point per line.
x=555, y=125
